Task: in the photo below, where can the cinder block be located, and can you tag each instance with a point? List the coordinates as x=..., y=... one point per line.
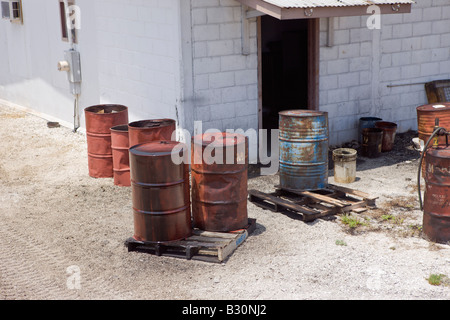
x=221, y=79
x=220, y=48
x=350, y=79
x=206, y=65
x=441, y=26
x=338, y=95
x=402, y=30
x=220, y=15
x=349, y=50
x=338, y=66
x=429, y=69
x=401, y=58
x=205, y=32
x=422, y=28
x=233, y=94
x=204, y=3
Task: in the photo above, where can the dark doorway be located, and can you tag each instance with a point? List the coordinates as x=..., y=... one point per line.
x=284, y=67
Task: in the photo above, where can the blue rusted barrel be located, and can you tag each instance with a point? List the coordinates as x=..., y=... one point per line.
x=303, y=149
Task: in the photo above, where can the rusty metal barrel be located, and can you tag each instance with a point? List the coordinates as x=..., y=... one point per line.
x=436, y=207
x=159, y=198
x=99, y=121
x=120, y=152
x=303, y=139
x=150, y=130
x=219, y=167
x=426, y=116
x=426, y=121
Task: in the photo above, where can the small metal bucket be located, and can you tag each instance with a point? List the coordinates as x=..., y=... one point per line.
x=344, y=165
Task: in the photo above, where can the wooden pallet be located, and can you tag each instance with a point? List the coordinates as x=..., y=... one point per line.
x=201, y=245
x=311, y=205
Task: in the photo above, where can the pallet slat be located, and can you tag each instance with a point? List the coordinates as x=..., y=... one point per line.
x=311, y=205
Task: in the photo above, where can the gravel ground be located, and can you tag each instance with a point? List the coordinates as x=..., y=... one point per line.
x=58, y=225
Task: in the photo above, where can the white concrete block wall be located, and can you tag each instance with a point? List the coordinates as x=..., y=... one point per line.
x=356, y=71
x=139, y=56
x=225, y=82
x=29, y=53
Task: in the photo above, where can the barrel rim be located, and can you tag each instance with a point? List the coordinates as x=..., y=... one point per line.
x=430, y=107
x=241, y=139
x=386, y=125
x=343, y=150
x=160, y=123
x=370, y=119
x=305, y=113
x=135, y=149
x=373, y=130
x=90, y=109
x=120, y=128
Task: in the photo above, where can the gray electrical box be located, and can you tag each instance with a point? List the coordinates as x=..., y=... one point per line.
x=72, y=65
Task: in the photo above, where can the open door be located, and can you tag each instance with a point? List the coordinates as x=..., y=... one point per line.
x=288, y=67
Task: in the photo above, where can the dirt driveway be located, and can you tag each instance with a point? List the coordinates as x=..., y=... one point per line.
x=62, y=235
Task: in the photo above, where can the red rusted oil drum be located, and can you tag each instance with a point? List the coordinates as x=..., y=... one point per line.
x=389, y=132
x=436, y=207
x=219, y=167
x=150, y=130
x=426, y=120
x=99, y=120
x=120, y=149
x=426, y=117
x=160, y=202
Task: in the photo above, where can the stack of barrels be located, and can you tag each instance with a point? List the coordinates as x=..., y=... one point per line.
x=162, y=192
x=140, y=154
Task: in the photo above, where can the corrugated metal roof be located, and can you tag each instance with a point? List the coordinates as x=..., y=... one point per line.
x=332, y=3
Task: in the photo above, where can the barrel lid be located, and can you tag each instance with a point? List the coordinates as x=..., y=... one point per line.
x=151, y=123
x=157, y=148
x=106, y=108
x=433, y=107
x=120, y=128
x=219, y=139
x=302, y=113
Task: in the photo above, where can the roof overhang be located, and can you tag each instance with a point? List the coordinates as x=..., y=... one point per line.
x=305, y=9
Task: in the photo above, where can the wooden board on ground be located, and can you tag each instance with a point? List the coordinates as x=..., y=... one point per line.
x=201, y=245
x=311, y=205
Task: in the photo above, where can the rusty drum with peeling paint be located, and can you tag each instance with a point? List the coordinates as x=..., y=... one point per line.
x=436, y=207
x=219, y=167
x=426, y=120
x=426, y=117
x=99, y=120
x=121, y=161
x=150, y=130
x=159, y=198
x=303, y=138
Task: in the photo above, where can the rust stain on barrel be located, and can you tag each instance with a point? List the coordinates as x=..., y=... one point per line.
x=150, y=130
x=160, y=202
x=303, y=149
x=219, y=185
x=426, y=116
x=120, y=152
x=436, y=215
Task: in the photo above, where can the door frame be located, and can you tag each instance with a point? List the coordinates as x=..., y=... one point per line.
x=313, y=66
